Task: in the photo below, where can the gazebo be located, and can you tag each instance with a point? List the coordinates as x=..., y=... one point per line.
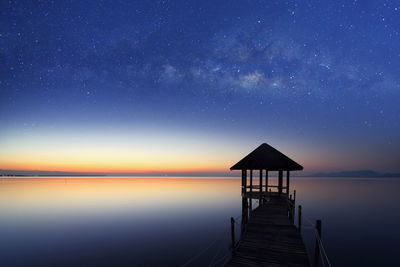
x=267, y=158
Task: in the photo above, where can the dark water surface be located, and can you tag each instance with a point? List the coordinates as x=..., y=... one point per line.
x=170, y=222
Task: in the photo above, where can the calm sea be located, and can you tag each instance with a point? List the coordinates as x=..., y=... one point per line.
x=177, y=221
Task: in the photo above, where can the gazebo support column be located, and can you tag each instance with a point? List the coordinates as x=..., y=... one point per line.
x=261, y=178
x=266, y=181
x=287, y=183
x=251, y=181
x=244, y=214
x=244, y=181
x=280, y=182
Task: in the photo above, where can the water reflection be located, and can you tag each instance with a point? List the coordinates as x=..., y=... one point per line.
x=165, y=221
x=106, y=221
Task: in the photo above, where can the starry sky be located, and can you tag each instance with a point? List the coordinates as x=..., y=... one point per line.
x=193, y=86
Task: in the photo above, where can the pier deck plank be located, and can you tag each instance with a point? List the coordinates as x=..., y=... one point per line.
x=270, y=238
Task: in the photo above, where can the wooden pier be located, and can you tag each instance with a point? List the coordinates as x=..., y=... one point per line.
x=270, y=237
x=268, y=234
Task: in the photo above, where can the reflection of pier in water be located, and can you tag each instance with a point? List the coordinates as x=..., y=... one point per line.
x=268, y=234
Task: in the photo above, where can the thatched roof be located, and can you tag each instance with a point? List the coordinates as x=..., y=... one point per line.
x=265, y=157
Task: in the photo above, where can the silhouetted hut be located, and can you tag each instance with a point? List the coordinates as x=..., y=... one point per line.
x=267, y=158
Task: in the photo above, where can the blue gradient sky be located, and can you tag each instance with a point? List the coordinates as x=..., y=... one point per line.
x=194, y=86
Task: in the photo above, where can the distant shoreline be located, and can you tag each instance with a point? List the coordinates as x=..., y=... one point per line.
x=350, y=174
x=355, y=174
x=294, y=175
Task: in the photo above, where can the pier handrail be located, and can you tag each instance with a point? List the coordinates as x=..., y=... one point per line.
x=256, y=186
x=323, y=255
x=319, y=247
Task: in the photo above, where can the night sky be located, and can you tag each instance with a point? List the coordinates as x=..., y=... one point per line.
x=127, y=86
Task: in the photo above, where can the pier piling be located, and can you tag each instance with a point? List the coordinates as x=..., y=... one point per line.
x=299, y=219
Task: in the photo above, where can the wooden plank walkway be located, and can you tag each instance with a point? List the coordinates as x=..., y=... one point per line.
x=270, y=239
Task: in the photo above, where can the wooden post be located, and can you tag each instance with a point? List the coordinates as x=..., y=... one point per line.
x=244, y=214
x=317, y=243
x=299, y=216
x=244, y=181
x=233, y=232
x=293, y=211
x=261, y=178
x=280, y=182
x=294, y=198
x=266, y=180
x=287, y=182
x=251, y=181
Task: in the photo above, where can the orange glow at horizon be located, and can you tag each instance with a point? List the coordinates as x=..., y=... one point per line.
x=110, y=153
x=142, y=151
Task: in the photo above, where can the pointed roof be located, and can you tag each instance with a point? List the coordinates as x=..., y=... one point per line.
x=265, y=157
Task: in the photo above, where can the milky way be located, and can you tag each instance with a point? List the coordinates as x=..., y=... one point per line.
x=316, y=76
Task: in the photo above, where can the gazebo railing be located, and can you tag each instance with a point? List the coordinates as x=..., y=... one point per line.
x=264, y=187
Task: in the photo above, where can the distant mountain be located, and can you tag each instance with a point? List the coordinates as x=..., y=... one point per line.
x=359, y=173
